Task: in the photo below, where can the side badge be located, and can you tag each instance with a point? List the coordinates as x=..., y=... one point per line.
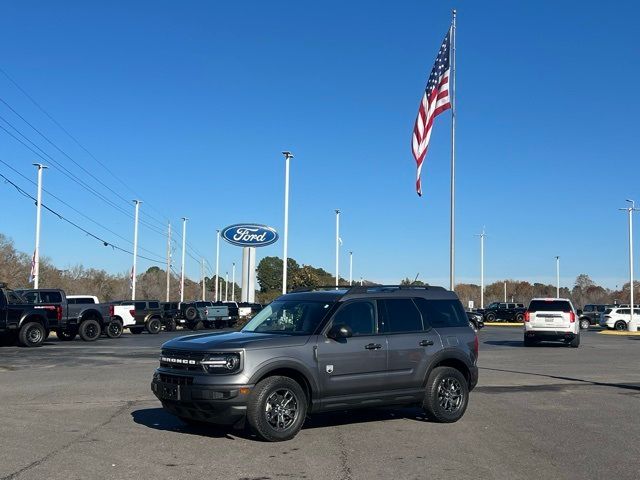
x=329, y=368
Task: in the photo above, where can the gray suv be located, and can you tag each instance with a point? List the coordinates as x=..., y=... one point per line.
x=315, y=351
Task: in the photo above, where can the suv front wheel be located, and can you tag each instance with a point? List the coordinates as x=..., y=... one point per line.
x=277, y=408
x=447, y=395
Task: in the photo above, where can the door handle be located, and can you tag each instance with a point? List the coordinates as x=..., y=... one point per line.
x=373, y=346
x=426, y=343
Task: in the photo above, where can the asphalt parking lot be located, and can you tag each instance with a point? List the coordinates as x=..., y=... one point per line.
x=85, y=411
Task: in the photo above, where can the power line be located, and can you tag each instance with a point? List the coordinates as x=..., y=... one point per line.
x=75, y=140
x=87, y=232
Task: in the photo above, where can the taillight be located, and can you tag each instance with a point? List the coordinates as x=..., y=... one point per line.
x=132, y=313
x=572, y=317
x=59, y=312
x=111, y=310
x=476, y=345
x=527, y=316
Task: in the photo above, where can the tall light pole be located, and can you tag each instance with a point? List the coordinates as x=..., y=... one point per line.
x=168, y=260
x=482, y=235
x=36, y=251
x=505, y=291
x=184, y=251
x=226, y=287
x=233, y=282
x=287, y=156
x=557, y=276
x=134, y=270
x=350, y=268
x=337, y=247
x=217, y=263
x=202, y=278
x=632, y=327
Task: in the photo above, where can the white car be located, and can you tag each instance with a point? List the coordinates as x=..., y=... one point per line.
x=617, y=318
x=551, y=319
x=122, y=311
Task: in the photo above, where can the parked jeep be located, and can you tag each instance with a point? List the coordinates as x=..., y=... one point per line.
x=170, y=315
x=148, y=316
x=203, y=314
x=506, y=311
x=315, y=351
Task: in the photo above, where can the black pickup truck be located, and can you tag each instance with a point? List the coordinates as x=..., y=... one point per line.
x=87, y=320
x=27, y=322
x=505, y=311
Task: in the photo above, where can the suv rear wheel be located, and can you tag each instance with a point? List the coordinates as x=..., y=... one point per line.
x=154, y=326
x=519, y=317
x=447, y=395
x=277, y=408
x=114, y=329
x=490, y=317
x=620, y=325
x=585, y=324
x=89, y=330
x=575, y=342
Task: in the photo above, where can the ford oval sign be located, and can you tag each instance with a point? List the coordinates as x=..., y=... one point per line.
x=249, y=235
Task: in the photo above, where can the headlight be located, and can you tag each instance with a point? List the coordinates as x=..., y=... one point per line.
x=221, y=363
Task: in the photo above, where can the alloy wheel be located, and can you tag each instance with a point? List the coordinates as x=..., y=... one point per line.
x=450, y=394
x=281, y=409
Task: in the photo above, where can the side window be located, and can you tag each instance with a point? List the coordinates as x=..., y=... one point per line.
x=442, y=313
x=154, y=305
x=502, y=305
x=13, y=299
x=140, y=306
x=51, y=297
x=31, y=297
x=401, y=315
x=359, y=316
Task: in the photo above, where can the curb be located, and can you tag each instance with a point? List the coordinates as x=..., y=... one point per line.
x=504, y=324
x=618, y=333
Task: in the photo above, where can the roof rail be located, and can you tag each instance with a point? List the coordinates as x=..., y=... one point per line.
x=320, y=287
x=366, y=288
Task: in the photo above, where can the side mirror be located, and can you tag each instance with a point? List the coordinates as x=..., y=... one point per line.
x=339, y=331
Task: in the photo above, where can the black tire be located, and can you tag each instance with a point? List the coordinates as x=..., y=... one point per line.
x=267, y=412
x=620, y=325
x=447, y=395
x=529, y=342
x=575, y=343
x=196, y=325
x=191, y=313
x=154, y=325
x=136, y=330
x=490, y=317
x=170, y=325
x=114, y=329
x=66, y=335
x=585, y=324
x=89, y=330
x=519, y=318
x=31, y=334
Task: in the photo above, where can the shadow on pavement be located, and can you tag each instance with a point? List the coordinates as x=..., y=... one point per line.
x=158, y=419
x=624, y=386
x=519, y=343
x=332, y=419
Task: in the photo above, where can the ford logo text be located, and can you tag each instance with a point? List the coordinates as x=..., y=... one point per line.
x=250, y=235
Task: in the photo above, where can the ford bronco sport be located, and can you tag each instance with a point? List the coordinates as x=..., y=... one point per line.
x=313, y=351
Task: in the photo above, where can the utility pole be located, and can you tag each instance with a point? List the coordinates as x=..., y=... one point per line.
x=632, y=327
x=217, y=264
x=482, y=235
x=337, y=247
x=202, y=276
x=134, y=270
x=168, y=261
x=184, y=251
x=557, y=276
x=233, y=282
x=361, y=281
x=36, y=251
x=287, y=156
x=505, y=291
x=226, y=287
x=220, y=288
x=350, y=268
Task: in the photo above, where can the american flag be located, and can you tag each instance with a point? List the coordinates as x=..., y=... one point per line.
x=434, y=101
x=32, y=274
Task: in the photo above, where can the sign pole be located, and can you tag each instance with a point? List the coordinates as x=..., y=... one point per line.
x=337, y=248
x=287, y=156
x=36, y=252
x=217, y=263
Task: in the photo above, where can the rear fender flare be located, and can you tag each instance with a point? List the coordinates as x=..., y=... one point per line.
x=34, y=317
x=448, y=354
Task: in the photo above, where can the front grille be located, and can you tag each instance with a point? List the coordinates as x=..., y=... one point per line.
x=183, y=360
x=176, y=379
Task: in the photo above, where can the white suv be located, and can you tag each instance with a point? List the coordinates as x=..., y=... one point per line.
x=551, y=319
x=618, y=318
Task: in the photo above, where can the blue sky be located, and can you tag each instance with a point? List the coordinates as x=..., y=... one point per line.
x=191, y=103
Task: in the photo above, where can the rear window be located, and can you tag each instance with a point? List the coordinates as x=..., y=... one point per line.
x=549, y=306
x=442, y=313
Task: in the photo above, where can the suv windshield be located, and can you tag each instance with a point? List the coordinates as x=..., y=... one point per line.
x=549, y=306
x=289, y=317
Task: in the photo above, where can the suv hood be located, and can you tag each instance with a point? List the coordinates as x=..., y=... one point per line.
x=234, y=340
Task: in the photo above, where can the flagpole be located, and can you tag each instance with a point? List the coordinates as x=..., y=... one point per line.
x=452, y=233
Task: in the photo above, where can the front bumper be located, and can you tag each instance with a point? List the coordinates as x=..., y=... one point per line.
x=218, y=404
